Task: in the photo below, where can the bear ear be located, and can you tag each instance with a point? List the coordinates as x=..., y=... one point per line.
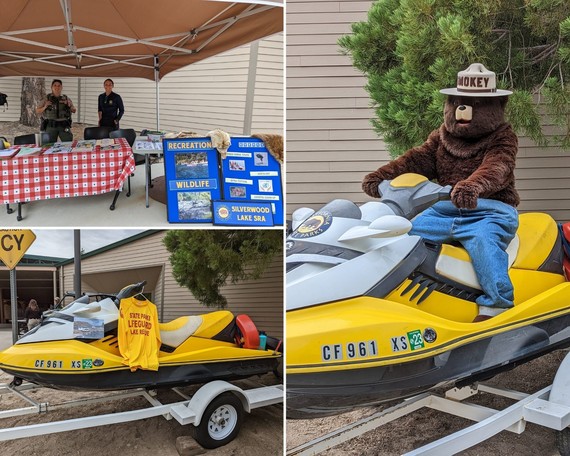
x=503, y=101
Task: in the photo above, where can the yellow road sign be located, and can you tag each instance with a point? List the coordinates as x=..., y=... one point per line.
x=13, y=245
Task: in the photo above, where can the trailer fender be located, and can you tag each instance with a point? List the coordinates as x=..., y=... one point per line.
x=207, y=393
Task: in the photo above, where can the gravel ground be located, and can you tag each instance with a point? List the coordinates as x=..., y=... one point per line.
x=11, y=129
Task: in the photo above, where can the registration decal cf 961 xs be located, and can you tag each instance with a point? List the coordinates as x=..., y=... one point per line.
x=350, y=350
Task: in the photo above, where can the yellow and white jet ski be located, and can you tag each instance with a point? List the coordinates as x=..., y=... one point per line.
x=77, y=348
x=374, y=314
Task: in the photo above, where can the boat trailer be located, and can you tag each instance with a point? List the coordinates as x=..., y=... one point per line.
x=214, y=410
x=549, y=407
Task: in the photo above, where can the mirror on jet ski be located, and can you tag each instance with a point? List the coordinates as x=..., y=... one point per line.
x=130, y=290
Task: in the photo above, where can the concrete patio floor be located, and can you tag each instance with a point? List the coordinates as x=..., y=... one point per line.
x=93, y=211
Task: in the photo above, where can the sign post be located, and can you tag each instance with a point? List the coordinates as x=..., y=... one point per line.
x=13, y=246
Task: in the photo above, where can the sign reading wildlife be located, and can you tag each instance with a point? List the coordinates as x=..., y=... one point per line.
x=14, y=244
x=251, y=173
x=192, y=179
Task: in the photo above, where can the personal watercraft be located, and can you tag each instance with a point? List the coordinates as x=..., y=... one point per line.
x=375, y=314
x=77, y=348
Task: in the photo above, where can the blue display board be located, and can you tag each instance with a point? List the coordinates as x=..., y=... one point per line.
x=246, y=213
x=251, y=173
x=192, y=176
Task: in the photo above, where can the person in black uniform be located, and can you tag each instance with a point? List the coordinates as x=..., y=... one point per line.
x=57, y=110
x=111, y=107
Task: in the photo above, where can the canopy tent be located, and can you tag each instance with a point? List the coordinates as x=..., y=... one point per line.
x=125, y=38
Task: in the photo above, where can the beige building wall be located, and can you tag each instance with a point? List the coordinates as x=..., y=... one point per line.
x=200, y=97
x=330, y=141
x=147, y=259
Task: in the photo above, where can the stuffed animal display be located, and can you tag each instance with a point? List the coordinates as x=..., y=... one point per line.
x=474, y=151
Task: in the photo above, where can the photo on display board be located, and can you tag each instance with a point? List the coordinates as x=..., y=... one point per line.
x=237, y=165
x=260, y=159
x=191, y=166
x=194, y=205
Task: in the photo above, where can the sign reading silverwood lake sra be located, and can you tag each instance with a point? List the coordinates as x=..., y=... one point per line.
x=247, y=213
x=196, y=176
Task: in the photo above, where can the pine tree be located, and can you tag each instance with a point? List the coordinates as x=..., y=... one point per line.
x=205, y=260
x=410, y=49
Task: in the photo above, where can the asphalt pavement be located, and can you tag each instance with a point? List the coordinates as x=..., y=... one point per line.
x=5, y=338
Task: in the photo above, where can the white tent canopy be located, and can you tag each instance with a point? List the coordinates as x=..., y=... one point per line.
x=126, y=38
x=129, y=38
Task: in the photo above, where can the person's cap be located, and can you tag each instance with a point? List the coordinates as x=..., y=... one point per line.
x=476, y=81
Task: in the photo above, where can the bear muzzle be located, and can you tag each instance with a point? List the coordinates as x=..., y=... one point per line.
x=464, y=114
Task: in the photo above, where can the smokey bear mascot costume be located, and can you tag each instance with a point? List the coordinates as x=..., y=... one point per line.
x=474, y=151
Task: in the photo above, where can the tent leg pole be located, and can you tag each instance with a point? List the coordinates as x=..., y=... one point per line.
x=156, y=78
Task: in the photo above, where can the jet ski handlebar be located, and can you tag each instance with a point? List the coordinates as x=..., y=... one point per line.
x=130, y=290
x=409, y=194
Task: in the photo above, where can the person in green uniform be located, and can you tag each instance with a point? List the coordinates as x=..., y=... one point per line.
x=57, y=110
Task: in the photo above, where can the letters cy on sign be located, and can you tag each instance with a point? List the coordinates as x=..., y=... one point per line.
x=14, y=244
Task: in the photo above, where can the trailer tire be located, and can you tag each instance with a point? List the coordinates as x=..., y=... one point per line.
x=220, y=423
x=563, y=442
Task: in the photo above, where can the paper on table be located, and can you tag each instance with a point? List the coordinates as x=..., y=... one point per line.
x=29, y=151
x=147, y=145
x=9, y=153
x=111, y=147
x=85, y=145
x=58, y=148
x=105, y=142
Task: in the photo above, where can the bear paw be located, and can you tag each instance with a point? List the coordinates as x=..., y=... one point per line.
x=464, y=195
x=370, y=185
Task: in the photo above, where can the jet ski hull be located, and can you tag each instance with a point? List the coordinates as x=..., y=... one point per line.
x=166, y=376
x=313, y=395
x=98, y=365
x=327, y=386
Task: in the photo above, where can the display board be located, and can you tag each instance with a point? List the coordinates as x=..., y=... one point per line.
x=251, y=173
x=192, y=176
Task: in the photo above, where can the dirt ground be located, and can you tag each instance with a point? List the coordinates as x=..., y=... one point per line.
x=425, y=426
x=261, y=431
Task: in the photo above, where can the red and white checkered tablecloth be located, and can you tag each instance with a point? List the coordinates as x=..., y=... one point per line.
x=64, y=175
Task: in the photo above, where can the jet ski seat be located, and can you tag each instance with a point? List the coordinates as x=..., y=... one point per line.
x=177, y=331
x=540, y=246
x=535, y=247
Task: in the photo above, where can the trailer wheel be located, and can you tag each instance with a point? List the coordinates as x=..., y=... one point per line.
x=220, y=423
x=563, y=442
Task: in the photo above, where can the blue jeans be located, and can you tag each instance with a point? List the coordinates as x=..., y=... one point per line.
x=485, y=232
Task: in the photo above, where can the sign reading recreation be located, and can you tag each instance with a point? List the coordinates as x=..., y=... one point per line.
x=192, y=179
x=14, y=244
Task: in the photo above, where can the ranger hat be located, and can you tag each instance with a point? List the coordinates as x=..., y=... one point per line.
x=476, y=81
